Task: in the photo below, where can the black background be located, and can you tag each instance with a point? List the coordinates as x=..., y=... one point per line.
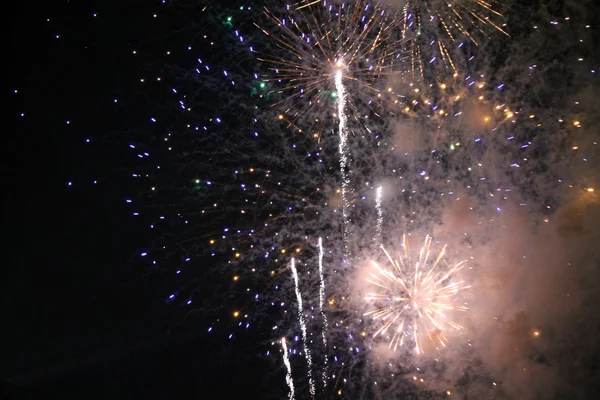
x=78, y=319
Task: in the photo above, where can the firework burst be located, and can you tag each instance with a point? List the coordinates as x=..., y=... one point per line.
x=434, y=29
x=321, y=44
x=413, y=299
x=373, y=40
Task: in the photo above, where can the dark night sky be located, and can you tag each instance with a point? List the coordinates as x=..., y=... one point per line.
x=78, y=319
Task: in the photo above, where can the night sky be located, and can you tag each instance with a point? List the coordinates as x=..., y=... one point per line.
x=84, y=312
x=80, y=318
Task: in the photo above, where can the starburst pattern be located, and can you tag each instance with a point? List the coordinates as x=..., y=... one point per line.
x=413, y=299
x=357, y=42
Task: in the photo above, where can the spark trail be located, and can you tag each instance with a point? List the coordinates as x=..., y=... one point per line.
x=288, y=375
x=322, y=309
x=379, y=226
x=343, y=150
x=302, y=322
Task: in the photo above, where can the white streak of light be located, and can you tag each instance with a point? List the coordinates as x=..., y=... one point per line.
x=379, y=227
x=303, y=328
x=343, y=149
x=322, y=307
x=288, y=375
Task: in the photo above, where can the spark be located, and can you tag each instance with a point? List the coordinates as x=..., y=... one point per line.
x=322, y=309
x=343, y=149
x=442, y=26
x=378, y=229
x=413, y=301
x=288, y=375
x=303, y=328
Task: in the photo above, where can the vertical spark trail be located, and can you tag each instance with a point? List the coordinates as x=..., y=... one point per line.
x=343, y=148
x=322, y=308
x=379, y=226
x=303, y=328
x=288, y=375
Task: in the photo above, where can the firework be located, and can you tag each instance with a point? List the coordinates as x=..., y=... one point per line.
x=378, y=228
x=302, y=323
x=288, y=366
x=343, y=150
x=325, y=48
x=413, y=298
x=322, y=309
x=316, y=37
x=371, y=40
x=434, y=29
